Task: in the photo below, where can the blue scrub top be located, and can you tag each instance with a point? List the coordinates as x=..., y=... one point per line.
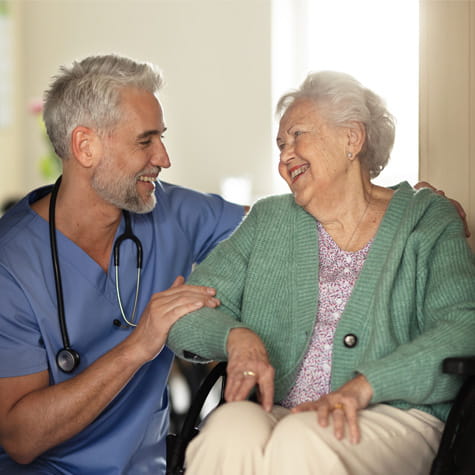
x=129, y=436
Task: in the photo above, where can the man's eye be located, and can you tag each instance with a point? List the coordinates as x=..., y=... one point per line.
x=297, y=133
x=145, y=143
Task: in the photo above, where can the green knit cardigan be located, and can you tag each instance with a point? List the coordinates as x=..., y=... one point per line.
x=412, y=306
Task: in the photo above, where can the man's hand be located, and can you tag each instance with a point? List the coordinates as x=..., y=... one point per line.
x=248, y=365
x=458, y=206
x=342, y=406
x=164, y=309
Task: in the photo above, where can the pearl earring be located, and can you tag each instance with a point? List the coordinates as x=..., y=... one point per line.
x=349, y=155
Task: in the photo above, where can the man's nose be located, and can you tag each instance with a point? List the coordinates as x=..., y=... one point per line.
x=160, y=156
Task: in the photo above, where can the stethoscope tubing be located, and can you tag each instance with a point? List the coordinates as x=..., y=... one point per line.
x=56, y=268
x=67, y=358
x=128, y=234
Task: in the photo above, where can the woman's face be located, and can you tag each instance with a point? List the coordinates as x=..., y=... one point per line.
x=313, y=158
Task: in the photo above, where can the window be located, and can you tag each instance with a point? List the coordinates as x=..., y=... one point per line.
x=376, y=41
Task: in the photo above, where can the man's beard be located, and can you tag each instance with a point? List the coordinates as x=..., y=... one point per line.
x=120, y=190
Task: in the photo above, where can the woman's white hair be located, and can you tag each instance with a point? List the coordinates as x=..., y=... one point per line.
x=343, y=100
x=88, y=94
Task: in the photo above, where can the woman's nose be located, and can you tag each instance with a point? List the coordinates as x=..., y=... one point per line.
x=286, y=153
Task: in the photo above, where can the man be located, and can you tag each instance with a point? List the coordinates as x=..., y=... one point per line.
x=88, y=395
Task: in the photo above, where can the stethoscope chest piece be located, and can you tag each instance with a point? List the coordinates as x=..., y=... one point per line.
x=67, y=359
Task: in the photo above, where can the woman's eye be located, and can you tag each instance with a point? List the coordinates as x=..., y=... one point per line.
x=297, y=133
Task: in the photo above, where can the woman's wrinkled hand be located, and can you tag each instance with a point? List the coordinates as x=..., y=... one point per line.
x=458, y=206
x=248, y=366
x=342, y=406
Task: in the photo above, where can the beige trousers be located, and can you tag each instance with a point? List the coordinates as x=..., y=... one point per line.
x=239, y=438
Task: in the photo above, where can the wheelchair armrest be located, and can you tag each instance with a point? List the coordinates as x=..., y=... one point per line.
x=457, y=445
x=177, y=443
x=463, y=365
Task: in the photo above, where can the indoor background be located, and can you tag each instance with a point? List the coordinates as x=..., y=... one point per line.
x=226, y=62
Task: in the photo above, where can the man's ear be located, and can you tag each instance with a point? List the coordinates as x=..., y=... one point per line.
x=86, y=145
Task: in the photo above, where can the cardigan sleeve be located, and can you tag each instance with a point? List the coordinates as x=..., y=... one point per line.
x=444, y=313
x=202, y=335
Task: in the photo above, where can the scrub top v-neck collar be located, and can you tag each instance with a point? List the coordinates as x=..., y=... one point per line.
x=70, y=252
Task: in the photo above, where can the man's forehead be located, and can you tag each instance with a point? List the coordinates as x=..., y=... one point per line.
x=141, y=103
x=133, y=95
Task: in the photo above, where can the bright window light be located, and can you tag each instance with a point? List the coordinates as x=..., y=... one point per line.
x=376, y=41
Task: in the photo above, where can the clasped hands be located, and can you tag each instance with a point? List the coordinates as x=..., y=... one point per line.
x=249, y=366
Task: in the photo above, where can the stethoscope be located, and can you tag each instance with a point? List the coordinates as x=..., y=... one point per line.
x=67, y=358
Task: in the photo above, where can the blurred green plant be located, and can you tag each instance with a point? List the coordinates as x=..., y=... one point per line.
x=3, y=7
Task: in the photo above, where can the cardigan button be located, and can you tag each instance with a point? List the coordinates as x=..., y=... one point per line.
x=350, y=340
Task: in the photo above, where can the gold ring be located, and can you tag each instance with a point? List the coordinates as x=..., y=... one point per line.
x=338, y=405
x=248, y=373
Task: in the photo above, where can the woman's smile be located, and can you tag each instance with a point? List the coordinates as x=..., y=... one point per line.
x=297, y=171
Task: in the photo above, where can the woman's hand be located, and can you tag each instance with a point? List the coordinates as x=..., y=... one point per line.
x=248, y=365
x=342, y=406
x=458, y=206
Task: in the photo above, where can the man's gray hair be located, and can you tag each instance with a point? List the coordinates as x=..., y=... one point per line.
x=343, y=100
x=88, y=94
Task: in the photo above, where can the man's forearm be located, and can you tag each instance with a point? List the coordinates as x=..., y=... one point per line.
x=40, y=416
x=47, y=417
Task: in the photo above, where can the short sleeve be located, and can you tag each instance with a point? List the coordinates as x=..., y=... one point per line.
x=222, y=219
x=21, y=348
x=206, y=219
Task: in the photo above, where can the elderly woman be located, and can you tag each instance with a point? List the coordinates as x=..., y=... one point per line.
x=352, y=293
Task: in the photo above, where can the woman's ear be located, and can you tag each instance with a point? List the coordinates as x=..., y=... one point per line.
x=356, y=136
x=85, y=145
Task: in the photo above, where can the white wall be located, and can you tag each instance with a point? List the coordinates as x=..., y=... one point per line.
x=215, y=55
x=10, y=140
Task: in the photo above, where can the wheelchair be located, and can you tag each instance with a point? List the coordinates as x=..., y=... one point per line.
x=177, y=443
x=456, y=454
